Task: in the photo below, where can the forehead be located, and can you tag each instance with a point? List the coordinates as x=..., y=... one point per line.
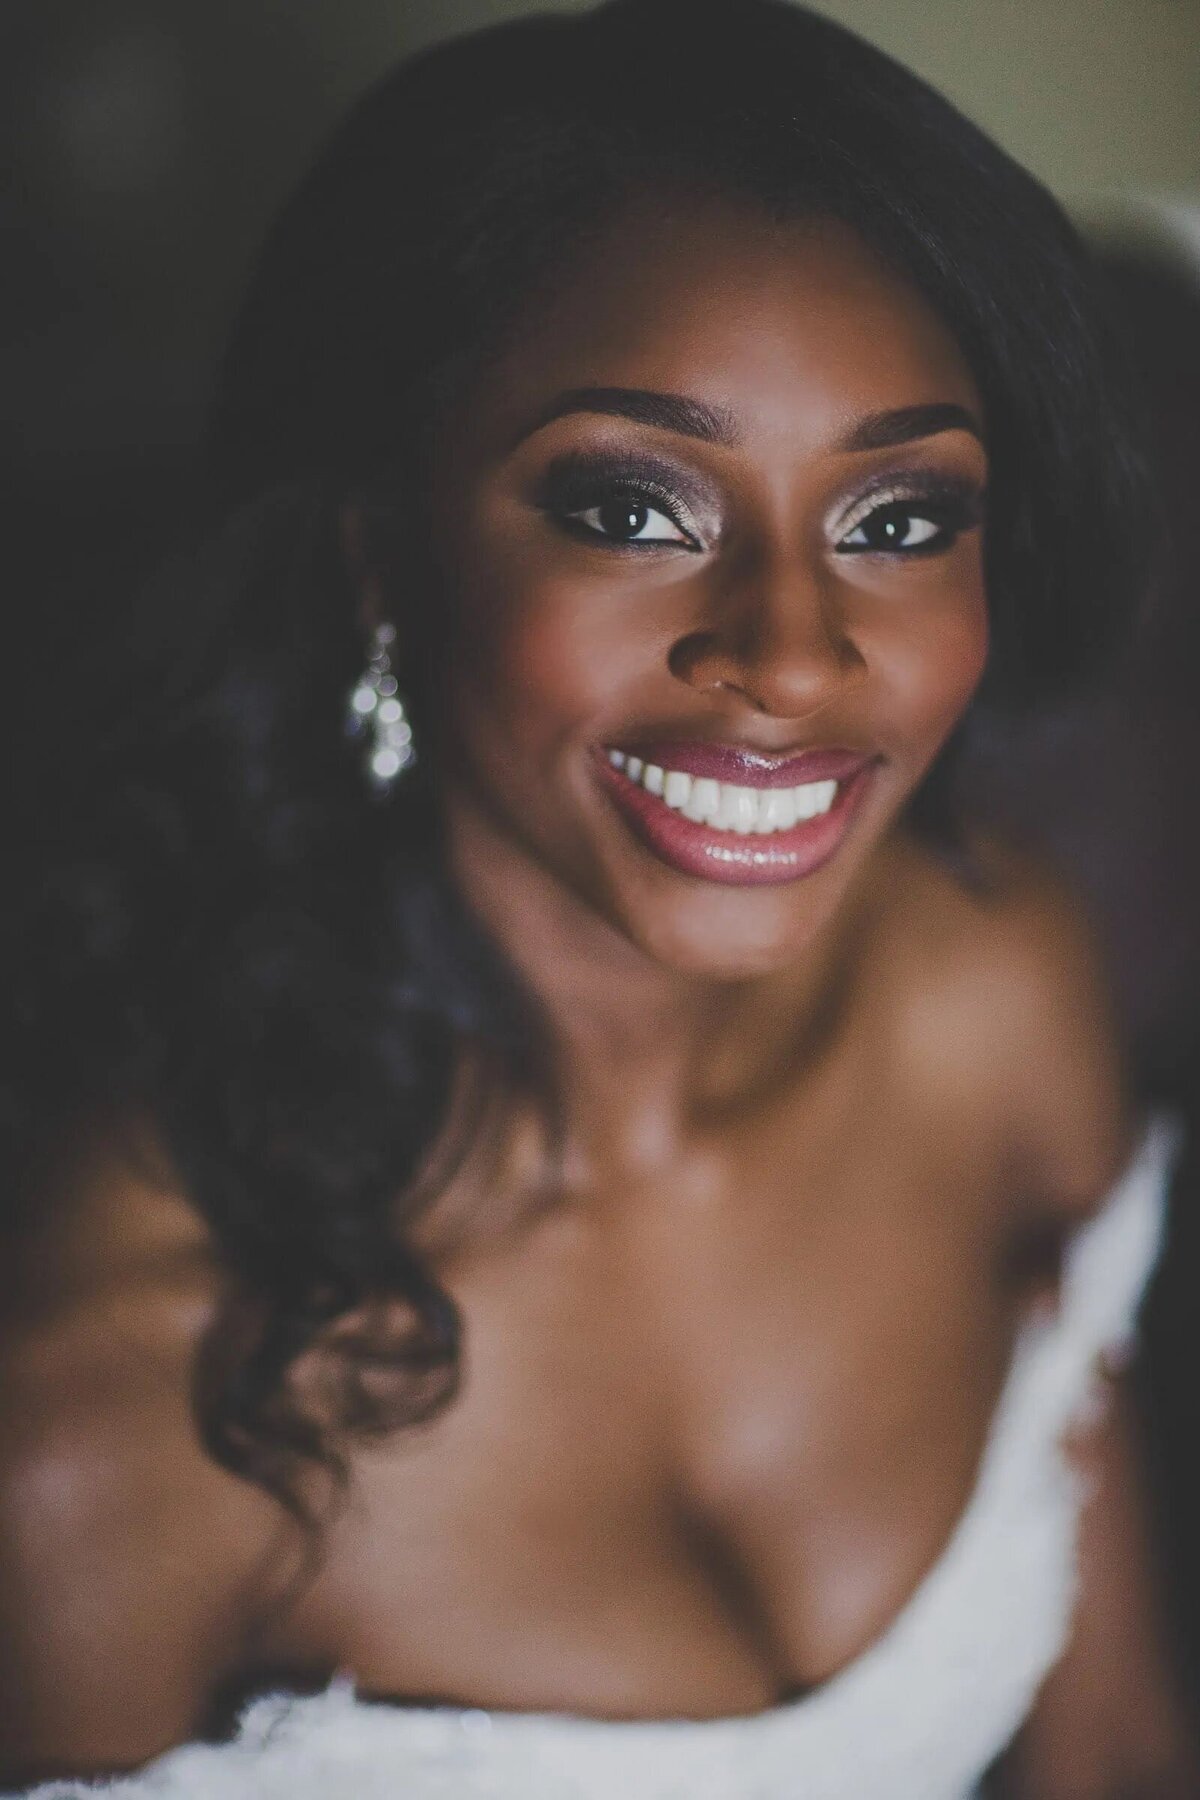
x=795, y=327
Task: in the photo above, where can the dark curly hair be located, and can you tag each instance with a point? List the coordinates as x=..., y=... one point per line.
x=244, y=945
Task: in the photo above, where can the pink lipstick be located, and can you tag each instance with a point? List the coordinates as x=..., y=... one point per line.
x=736, y=816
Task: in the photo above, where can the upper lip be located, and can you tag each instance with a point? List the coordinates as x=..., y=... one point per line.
x=750, y=768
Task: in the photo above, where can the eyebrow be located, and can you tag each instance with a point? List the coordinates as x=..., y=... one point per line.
x=716, y=425
x=904, y=424
x=645, y=406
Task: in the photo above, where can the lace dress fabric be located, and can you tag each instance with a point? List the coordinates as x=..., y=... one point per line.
x=923, y=1712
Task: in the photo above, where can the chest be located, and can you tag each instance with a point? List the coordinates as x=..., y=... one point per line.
x=707, y=1443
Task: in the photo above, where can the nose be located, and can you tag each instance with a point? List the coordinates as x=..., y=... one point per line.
x=776, y=636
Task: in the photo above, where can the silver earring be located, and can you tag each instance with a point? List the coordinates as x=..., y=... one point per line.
x=376, y=712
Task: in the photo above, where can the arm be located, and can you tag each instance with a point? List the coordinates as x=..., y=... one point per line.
x=123, y=1570
x=1109, y=1723
x=127, y=1558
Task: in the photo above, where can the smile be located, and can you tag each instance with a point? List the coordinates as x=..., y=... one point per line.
x=687, y=806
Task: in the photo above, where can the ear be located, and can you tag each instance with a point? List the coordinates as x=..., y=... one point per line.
x=364, y=574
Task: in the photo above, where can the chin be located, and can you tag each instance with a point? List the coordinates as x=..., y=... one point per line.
x=731, y=934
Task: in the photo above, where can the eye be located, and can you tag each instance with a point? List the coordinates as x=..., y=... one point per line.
x=899, y=519
x=628, y=518
x=903, y=525
x=623, y=501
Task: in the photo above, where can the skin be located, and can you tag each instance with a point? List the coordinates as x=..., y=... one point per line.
x=735, y=1339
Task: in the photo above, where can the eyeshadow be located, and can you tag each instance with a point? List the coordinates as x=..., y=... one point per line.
x=575, y=478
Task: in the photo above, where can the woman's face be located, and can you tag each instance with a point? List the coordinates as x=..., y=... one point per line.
x=709, y=531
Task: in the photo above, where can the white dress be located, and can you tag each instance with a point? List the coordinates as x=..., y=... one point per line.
x=919, y=1716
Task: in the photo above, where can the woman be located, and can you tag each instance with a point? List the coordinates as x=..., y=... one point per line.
x=601, y=1235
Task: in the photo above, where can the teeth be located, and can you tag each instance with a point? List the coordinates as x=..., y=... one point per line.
x=723, y=805
x=676, y=788
x=738, y=809
x=703, y=801
x=776, y=810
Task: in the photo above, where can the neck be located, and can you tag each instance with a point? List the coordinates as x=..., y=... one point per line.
x=643, y=1056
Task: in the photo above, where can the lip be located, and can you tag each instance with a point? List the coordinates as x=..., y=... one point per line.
x=749, y=768
x=727, y=857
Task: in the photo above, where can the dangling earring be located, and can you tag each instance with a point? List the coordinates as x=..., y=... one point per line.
x=376, y=711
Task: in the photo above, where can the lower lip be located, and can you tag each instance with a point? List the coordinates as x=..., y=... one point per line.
x=730, y=857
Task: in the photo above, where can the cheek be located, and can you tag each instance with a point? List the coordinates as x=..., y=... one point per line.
x=542, y=664
x=927, y=666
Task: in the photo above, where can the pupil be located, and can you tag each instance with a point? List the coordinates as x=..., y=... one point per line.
x=624, y=518
x=892, y=526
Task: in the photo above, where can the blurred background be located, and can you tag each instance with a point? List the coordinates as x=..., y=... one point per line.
x=144, y=145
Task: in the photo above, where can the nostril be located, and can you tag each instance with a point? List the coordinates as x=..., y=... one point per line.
x=699, y=660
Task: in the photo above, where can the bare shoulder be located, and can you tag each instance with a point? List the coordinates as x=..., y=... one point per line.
x=1005, y=1012
x=126, y=1555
